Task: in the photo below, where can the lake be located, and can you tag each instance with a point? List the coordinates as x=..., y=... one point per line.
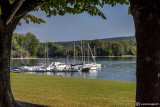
x=113, y=68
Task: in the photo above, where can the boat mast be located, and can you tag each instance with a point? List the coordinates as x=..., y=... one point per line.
x=74, y=53
x=94, y=51
x=88, y=53
x=68, y=57
x=47, y=55
x=27, y=55
x=92, y=54
x=67, y=51
x=45, y=51
x=22, y=49
x=82, y=50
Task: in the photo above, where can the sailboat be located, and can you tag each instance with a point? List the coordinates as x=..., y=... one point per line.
x=92, y=66
x=75, y=67
x=85, y=67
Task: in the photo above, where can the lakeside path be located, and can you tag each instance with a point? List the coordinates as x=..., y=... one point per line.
x=86, y=56
x=58, y=91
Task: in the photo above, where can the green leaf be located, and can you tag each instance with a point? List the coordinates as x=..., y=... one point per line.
x=32, y=18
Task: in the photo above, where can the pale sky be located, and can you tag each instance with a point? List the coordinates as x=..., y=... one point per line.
x=83, y=26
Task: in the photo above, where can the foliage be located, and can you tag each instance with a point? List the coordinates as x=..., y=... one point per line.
x=29, y=42
x=17, y=41
x=132, y=51
x=108, y=49
x=117, y=49
x=125, y=46
x=115, y=39
x=61, y=7
x=17, y=53
x=20, y=9
x=31, y=18
x=41, y=51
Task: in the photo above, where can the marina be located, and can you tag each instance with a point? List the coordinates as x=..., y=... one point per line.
x=119, y=69
x=60, y=66
x=56, y=66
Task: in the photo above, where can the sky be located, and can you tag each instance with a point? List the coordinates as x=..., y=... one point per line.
x=82, y=26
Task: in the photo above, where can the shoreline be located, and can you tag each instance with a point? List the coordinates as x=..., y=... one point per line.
x=124, y=56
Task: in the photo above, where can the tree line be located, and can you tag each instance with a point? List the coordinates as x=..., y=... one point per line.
x=27, y=45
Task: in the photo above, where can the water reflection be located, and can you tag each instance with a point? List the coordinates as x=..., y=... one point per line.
x=93, y=73
x=90, y=74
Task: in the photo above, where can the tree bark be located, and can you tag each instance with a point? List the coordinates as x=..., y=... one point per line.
x=11, y=14
x=6, y=97
x=147, y=31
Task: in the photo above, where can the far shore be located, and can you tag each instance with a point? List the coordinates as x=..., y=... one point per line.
x=80, y=56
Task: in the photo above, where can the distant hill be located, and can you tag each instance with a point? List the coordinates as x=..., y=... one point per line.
x=67, y=43
x=115, y=39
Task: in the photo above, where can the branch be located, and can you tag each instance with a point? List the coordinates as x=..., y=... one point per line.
x=14, y=10
x=27, y=6
x=5, y=6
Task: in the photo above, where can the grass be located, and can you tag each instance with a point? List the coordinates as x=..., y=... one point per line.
x=58, y=91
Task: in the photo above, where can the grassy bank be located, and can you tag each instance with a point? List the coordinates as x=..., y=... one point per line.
x=57, y=91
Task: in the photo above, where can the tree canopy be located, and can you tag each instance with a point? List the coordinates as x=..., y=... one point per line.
x=19, y=9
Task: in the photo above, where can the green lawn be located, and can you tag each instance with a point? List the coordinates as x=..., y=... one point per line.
x=58, y=91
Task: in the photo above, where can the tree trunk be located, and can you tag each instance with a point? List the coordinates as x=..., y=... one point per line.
x=6, y=97
x=146, y=15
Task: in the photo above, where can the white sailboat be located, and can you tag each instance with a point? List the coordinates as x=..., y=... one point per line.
x=93, y=66
x=75, y=67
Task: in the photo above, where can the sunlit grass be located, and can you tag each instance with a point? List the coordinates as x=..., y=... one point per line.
x=58, y=91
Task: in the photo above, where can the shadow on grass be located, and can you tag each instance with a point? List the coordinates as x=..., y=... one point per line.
x=25, y=104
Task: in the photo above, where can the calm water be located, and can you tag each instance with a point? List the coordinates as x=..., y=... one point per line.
x=119, y=69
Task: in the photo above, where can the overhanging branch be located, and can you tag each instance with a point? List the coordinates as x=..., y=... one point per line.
x=27, y=6
x=14, y=10
x=5, y=7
